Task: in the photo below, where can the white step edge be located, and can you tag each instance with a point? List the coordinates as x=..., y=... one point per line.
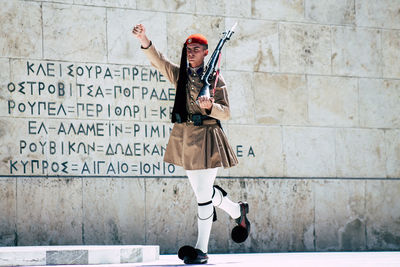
x=63, y=255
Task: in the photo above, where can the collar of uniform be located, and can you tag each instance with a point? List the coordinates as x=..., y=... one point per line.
x=198, y=70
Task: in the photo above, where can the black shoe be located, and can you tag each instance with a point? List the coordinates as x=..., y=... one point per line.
x=201, y=258
x=241, y=231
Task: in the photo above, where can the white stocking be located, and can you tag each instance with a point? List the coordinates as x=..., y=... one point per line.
x=224, y=203
x=202, y=183
x=207, y=196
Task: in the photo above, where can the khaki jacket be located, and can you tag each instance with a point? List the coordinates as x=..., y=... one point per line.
x=196, y=147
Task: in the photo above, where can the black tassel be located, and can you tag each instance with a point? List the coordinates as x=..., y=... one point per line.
x=179, y=112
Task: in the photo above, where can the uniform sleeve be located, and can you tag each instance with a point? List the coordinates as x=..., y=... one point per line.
x=161, y=63
x=220, y=109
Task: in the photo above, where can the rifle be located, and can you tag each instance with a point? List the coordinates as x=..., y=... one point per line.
x=210, y=68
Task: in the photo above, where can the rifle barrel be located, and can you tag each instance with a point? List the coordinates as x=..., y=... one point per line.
x=213, y=61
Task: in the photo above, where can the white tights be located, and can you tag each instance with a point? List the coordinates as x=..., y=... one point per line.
x=202, y=182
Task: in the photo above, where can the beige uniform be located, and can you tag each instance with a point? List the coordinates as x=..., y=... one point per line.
x=196, y=147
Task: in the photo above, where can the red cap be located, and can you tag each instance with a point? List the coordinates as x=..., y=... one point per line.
x=197, y=38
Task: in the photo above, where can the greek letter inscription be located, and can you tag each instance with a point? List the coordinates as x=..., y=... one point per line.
x=88, y=119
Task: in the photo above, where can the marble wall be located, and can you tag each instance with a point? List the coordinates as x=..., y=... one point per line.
x=315, y=101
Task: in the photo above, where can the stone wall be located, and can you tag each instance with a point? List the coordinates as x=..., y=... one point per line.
x=314, y=91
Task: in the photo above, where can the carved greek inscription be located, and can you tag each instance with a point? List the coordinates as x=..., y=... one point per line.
x=88, y=119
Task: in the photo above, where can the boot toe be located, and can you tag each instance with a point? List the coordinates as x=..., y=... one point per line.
x=240, y=232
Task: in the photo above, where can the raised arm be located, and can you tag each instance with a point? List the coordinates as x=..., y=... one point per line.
x=157, y=59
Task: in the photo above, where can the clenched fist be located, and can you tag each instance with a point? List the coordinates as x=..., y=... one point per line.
x=139, y=31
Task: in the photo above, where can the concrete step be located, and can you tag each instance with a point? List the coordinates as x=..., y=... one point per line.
x=74, y=255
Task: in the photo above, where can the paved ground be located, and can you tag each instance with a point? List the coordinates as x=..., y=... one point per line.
x=329, y=259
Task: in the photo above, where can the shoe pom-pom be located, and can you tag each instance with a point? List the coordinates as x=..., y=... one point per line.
x=239, y=234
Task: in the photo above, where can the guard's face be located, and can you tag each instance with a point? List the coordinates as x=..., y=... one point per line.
x=196, y=54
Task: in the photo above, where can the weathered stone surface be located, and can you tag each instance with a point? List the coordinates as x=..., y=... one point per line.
x=49, y=211
x=282, y=99
x=114, y=211
x=383, y=215
x=278, y=10
x=26, y=74
x=309, y=152
x=73, y=257
x=5, y=73
x=23, y=257
x=123, y=46
x=122, y=254
x=59, y=1
x=261, y=51
x=4, y=80
x=141, y=152
x=136, y=91
x=76, y=147
x=166, y=5
x=73, y=32
x=236, y=8
x=211, y=7
x=272, y=229
x=331, y=11
x=259, y=150
x=379, y=102
x=392, y=146
x=332, y=101
x=171, y=213
x=150, y=253
x=76, y=255
x=180, y=26
x=340, y=215
x=305, y=49
x=20, y=27
x=356, y=51
x=129, y=89
x=241, y=96
x=382, y=13
x=131, y=255
x=19, y=148
x=128, y=145
x=107, y=3
x=129, y=154
x=104, y=256
x=8, y=200
x=360, y=153
x=390, y=53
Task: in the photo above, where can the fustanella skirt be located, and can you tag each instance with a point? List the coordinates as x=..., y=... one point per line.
x=199, y=147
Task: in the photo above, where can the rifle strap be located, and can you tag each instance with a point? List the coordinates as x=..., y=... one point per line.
x=217, y=72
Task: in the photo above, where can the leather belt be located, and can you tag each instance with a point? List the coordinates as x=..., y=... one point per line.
x=199, y=119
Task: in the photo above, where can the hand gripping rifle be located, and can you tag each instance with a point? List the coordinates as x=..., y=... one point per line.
x=210, y=68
